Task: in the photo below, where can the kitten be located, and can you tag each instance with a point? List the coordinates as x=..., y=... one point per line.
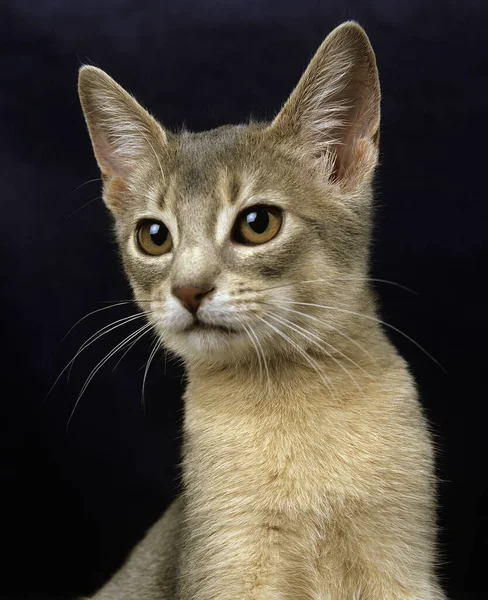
x=308, y=466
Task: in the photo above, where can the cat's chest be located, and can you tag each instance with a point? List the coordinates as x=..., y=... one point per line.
x=275, y=462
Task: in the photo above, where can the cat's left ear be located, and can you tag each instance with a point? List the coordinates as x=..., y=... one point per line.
x=122, y=132
x=333, y=115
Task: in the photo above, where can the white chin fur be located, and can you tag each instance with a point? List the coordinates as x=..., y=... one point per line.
x=211, y=344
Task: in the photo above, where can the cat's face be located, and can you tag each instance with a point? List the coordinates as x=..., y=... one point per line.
x=229, y=237
x=235, y=218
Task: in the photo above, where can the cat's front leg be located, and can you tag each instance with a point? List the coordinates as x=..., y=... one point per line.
x=386, y=590
x=381, y=589
x=151, y=571
x=370, y=557
x=386, y=582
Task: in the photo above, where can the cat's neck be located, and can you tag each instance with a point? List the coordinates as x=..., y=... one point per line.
x=254, y=466
x=329, y=370
x=297, y=380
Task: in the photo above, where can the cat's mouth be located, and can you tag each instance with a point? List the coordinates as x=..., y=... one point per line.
x=201, y=326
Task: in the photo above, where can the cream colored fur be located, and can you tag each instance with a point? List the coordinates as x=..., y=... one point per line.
x=308, y=466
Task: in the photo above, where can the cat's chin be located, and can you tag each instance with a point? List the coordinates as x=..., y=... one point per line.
x=202, y=328
x=214, y=342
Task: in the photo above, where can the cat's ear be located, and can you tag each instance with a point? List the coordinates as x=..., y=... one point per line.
x=333, y=115
x=122, y=132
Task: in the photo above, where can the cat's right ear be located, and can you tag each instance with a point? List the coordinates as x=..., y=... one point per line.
x=122, y=132
x=333, y=115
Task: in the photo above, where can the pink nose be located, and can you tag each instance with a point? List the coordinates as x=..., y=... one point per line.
x=191, y=297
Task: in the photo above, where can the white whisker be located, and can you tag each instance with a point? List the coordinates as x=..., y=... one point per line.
x=268, y=378
x=375, y=319
x=91, y=340
x=255, y=348
x=304, y=333
x=121, y=303
x=259, y=353
x=156, y=347
x=83, y=185
x=131, y=345
x=99, y=334
x=94, y=371
x=297, y=348
x=341, y=278
x=328, y=344
x=84, y=205
x=329, y=325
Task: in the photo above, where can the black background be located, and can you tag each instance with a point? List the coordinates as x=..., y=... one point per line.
x=75, y=500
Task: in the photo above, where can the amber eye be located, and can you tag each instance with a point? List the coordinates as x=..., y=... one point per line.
x=153, y=238
x=257, y=225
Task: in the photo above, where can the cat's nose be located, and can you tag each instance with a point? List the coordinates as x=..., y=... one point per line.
x=191, y=297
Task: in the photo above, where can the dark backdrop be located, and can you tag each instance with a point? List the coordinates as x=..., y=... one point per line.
x=75, y=500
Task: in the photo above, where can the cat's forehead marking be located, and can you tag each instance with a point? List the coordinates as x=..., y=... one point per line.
x=207, y=185
x=214, y=159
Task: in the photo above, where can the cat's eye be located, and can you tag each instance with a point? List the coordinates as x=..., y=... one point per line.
x=153, y=238
x=257, y=225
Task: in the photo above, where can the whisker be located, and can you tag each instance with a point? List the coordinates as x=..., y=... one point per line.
x=83, y=185
x=121, y=303
x=77, y=210
x=346, y=278
x=268, y=381
x=297, y=348
x=100, y=333
x=255, y=342
x=255, y=348
x=336, y=350
x=165, y=360
x=156, y=347
x=303, y=333
x=376, y=320
x=130, y=300
x=106, y=329
x=350, y=339
x=94, y=371
x=132, y=344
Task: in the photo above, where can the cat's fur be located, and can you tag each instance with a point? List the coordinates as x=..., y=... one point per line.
x=308, y=466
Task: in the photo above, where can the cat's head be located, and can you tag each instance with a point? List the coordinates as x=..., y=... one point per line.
x=229, y=237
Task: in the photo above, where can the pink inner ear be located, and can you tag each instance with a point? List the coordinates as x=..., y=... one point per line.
x=345, y=155
x=349, y=164
x=110, y=164
x=115, y=194
x=362, y=160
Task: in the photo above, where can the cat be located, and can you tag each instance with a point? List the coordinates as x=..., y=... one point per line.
x=308, y=467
